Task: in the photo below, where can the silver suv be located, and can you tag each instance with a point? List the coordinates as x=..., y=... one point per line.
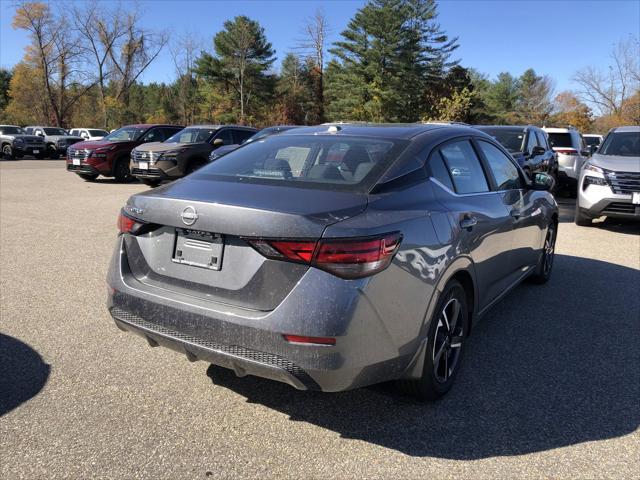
x=572, y=153
x=610, y=181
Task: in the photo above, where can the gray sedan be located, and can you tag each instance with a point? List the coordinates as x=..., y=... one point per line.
x=334, y=257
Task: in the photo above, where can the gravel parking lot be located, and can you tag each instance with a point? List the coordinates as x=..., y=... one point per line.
x=549, y=388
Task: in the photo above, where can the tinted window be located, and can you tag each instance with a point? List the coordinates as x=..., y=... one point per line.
x=192, y=135
x=98, y=133
x=625, y=144
x=504, y=171
x=8, y=130
x=153, y=135
x=560, y=140
x=439, y=170
x=591, y=141
x=511, y=139
x=302, y=160
x=226, y=137
x=29, y=130
x=240, y=136
x=125, y=134
x=464, y=167
x=54, y=131
x=542, y=140
x=532, y=141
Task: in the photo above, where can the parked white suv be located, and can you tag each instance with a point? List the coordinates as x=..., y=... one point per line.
x=572, y=153
x=592, y=141
x=89, y=133
x=610, y=181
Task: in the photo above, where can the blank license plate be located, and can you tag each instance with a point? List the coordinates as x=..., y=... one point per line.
x=76, y=161
x=198, y=249
x=36, y=151
x=143, y=165
x=635, y=198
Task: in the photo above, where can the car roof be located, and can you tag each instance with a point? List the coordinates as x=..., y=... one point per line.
x=149, y=125
x=505, y=127
x=627, y=128
x=381, y=130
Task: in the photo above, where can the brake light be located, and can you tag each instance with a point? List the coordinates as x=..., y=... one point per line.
x=125, y=223
x=310, y=340
x=344, y=257
x=567, y=151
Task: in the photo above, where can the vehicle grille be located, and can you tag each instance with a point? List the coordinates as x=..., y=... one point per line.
x=150, y=172
x=619, y=207
x=624, y=182
x=81, y=154
x=141, y=156
x=235, y=350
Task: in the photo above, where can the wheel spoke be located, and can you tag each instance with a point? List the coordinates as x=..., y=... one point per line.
x=455, y=316
x=446, y=366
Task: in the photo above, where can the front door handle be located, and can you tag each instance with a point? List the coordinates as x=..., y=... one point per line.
x=468, y=222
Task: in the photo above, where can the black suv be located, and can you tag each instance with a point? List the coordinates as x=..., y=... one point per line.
x=184, y=152
x=528, y=144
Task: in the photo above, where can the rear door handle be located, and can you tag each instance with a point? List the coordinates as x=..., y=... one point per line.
x=468, y=222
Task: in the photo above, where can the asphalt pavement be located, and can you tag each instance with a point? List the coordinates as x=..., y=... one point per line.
x=550, y=384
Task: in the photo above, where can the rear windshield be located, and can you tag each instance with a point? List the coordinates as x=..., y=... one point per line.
x=98, y=133
x=192, y=135
x=592, y=141
x=125, y=134
x=510, y=139
x=560, y=140
x=624, y=144
x=309, y=161
x=54, y=131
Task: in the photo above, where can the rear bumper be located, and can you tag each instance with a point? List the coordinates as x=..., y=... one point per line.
x=251, y=342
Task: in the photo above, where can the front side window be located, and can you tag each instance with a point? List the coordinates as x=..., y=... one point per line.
x=542, y=140
x=192, y=135
x=504, y=171
x=531, y=141
x=225, y=136
x=623, y=144
x=464, y=167
x=125, y=134
x=240, y=136
x=307, y=161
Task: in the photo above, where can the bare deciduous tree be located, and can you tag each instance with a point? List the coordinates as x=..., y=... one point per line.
x=184, y=52
x=313, y=47
x=608, y=90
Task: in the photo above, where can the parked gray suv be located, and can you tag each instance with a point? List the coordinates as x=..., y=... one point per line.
x=16, y=143
x=57, y=139
x=334, y=257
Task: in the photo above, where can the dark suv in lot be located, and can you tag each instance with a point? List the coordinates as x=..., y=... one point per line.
x=184, y=152
x=109, y=157
x=528, y=144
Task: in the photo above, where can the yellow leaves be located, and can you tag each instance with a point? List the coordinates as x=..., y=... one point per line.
x=30, y=13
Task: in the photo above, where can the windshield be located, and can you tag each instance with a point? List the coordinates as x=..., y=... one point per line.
x=54, y=131
x=560, y=140
x=265, y=132
x=192, y=135
x=344, y=163
x=624, y=144
x=12, y=130
x=125, y=134
x=510, y=139
x=98, y=133
x=592, y=141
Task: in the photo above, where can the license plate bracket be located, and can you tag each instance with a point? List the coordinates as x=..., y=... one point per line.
x=76, y=161
x=198, y=249
x=635, y=198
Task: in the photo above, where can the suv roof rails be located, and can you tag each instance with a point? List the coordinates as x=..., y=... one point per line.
x=443, y=122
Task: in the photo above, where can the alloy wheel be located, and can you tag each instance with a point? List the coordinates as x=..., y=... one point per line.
x=448, y=339
x=549, y=251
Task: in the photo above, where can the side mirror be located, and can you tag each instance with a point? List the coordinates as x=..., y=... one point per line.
x=537, y=150
x=218, y=142
x=593, y=149
x=586, y=152
x=542, y=181
x=40, y=134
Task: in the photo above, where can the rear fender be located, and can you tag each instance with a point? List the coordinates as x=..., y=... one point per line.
x=460, y=264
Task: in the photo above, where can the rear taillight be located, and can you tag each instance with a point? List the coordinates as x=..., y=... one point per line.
x=567, y=151
x=344, y=257
x=126, y=224
x=304, y=340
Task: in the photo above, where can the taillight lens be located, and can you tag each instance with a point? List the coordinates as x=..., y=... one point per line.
x=126, y=224
x=344, y=257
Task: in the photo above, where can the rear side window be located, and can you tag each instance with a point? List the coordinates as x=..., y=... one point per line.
x=439, y=170
x=531, y=141
x=464, y=167
x=310, y=161
x=504, y=171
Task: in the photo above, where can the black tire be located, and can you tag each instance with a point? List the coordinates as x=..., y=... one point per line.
x=150, y=182
x=7, y=152
x=87, y=177
x=53, y=153
x=544, y=268
x=121, y=171
x=581, y=219
x=444, y=345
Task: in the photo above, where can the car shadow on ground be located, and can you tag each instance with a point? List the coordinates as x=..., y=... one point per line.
x=23, y=373
x=550, y=366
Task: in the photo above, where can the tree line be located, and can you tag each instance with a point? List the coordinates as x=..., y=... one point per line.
x=393, y=63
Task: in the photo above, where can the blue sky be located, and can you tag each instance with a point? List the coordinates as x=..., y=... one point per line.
x=554, y=37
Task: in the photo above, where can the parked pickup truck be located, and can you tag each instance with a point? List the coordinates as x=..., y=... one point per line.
x=57, y=139
x=109, y=157
x=89, y=133
x=15, y=143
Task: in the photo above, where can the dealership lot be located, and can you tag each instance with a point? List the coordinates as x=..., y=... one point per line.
x=550, y=384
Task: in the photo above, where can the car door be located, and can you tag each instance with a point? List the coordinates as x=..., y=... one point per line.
x=479, y=217
x=510, y=184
